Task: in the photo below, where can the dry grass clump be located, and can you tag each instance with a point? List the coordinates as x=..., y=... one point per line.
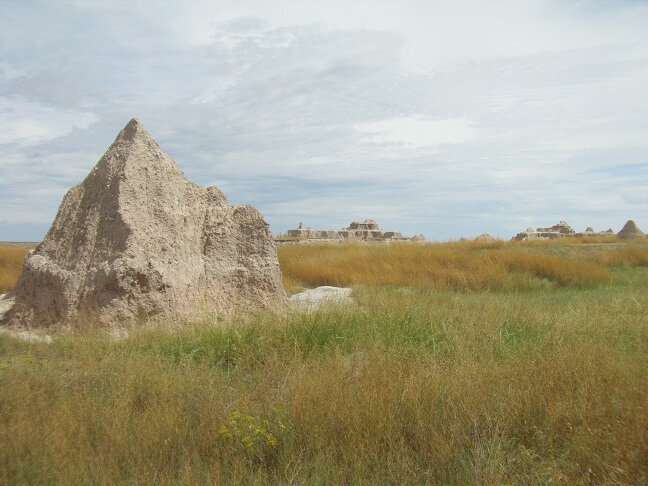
x=570, y=240
x=442, y=266
x=11, y=263
x=625, y=256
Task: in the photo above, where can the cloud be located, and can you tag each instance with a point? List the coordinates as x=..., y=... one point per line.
x=419, y=131
x=447, y=118
x=28, y=123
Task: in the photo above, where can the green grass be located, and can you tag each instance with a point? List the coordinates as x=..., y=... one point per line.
x=411, y=385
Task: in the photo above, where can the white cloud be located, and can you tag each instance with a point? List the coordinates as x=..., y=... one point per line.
x=447, y=118
x=29, y=123
x=420, y=131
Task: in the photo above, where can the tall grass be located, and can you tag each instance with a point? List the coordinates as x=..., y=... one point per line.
x=458, y=265
x=11, y=263
x=442, y=266
x=409, y=387
x=418, y=382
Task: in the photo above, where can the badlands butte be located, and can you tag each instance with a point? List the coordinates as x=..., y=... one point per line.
x=136, y=240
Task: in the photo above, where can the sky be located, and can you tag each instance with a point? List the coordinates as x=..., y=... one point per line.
x=446, y=118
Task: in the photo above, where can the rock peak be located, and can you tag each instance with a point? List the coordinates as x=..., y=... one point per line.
x=630, y=230
x=133, y=149
x=133, y=129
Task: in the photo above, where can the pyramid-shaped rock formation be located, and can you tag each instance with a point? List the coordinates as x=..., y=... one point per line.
x=136, y=239
x=630, y=230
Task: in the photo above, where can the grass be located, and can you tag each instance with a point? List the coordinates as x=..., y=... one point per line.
x=11, y=262
x=457, y=266
x=418, y=383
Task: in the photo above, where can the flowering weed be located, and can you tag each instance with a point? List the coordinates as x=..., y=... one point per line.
x=254, y=436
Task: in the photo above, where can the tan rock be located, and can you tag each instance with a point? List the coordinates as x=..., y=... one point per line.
x=368, y=230
x=559, y=230
x=137, y=240
x=630, y=230
x=485, y=238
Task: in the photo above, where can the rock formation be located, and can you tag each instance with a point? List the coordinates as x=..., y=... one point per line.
x=136, y=239
x=630, y=230
x=556, y=231
x=485, y=238
x=368, y=230
x=559, y=230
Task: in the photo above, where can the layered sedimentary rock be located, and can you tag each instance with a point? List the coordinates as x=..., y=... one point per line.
x=368, y=230
x=136, y=239
x=630, y=230
x=560, y=230
x=556, y=231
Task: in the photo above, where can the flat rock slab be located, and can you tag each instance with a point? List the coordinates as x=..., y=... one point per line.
x=313, y=299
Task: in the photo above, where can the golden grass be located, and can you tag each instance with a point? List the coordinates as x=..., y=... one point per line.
x=421, y=382
x=409, y=388
x=11, y=263
x=468, y=266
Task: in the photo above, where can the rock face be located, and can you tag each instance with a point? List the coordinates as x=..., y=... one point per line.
x=137, y=240
x=630, y=230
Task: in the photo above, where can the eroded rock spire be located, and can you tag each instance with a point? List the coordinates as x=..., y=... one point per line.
x=136, y=239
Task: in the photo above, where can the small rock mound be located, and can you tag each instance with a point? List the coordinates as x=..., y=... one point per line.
x=137, y=240
x=630, y=230
x=485, y=238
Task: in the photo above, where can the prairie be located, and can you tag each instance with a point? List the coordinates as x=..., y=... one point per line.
x=459, y=265
x=459, y=363
x=11, y=262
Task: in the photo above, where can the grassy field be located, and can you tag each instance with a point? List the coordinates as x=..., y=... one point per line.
x=534, y=371
x=11, y=262
x=459, y=266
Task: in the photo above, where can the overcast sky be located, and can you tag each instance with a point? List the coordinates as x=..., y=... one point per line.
x=449, y=119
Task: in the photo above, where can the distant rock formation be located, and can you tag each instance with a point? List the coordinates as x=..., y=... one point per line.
x=630, y=230
x=589, y=231
x=556, y=231
x=368, y=230
x=485, y=238
x=560, y=230
x=137, y=240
